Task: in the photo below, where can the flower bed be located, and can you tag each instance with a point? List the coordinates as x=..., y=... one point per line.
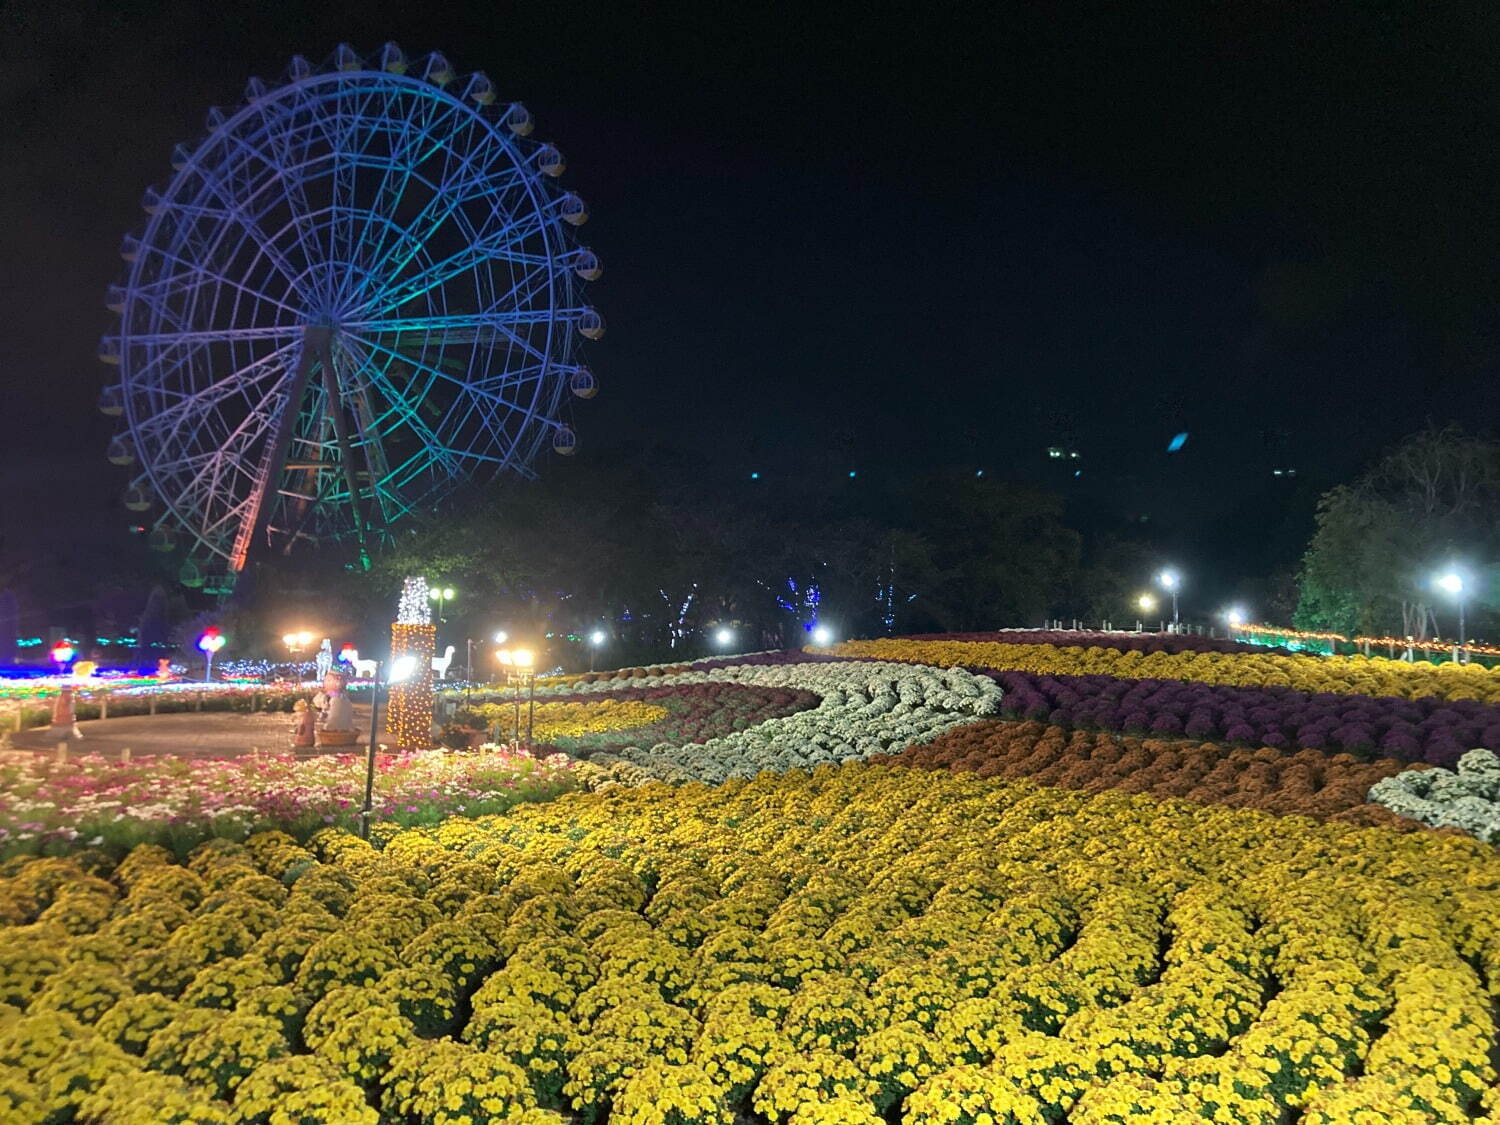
x=1304, y=783
x=1467, y=799
x=864, y=708
x=1120, y=641
x=689, y=713
x=1343, y=675
x=1429, y=730
x=177, y=801
x=858, y=944
x=558, y=720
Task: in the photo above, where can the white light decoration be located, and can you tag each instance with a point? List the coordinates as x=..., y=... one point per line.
x=822, y=635
x=413, y=608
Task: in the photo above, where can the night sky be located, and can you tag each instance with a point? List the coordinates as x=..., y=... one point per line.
x=846, y=237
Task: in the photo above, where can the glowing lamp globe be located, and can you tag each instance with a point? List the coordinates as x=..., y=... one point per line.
x=596, y=638
x=724, y=638
x=822, y=635
x=1451, y=584
x=62, y=652
x=211, y=641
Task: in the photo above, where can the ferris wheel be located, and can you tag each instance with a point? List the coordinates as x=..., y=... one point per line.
x=361, y=289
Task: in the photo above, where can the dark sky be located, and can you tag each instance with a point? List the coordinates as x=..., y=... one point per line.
x=886, y=237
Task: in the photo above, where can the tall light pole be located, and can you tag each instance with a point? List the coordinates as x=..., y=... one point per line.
x=1146, y=603
x=525, y=662
x=400, y=670
x=441, y=595
x=596, y=639
x=1453, y=583
x=1170, y=582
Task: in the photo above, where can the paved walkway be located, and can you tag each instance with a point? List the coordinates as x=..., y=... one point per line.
x=210, y=734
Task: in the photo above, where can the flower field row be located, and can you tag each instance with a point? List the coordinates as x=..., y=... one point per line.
x=552, y=721
x=1429, y=730
x=864, y=708
x=1120, y=641
x=689, y=713
x=1343, y=675
x=1304, y=783
x=93, y=801
x=1467, y=798
x=849, y=946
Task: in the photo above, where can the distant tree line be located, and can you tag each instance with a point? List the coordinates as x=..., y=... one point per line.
x=1428, y=507
x=664, y=556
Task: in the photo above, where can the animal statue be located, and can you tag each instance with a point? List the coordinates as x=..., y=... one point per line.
x=304, y=731
x=363, y=669
x=324, y=658
x=440, y=663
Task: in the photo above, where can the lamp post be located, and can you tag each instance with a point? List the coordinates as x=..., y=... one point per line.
x=723, y=636
x=596, y=639
x=209, y=643
x=1170, y=582
x=1147, y=605
x=442, y=595
x=400, y=669
x=525, y=662
x=822, y=635
x=1453, y=583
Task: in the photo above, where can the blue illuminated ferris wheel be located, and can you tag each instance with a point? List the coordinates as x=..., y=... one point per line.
x=360, y=290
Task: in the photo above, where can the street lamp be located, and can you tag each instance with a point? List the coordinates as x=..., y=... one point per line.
x=822, y=635
x=209, y=643
x=724, y=636
x=596, y=639
x=296, y=642
x=441, y=595
x=1235, y=616
x=400, y=671
x=1453, y=583
x=525, y=660
x=1170, y=582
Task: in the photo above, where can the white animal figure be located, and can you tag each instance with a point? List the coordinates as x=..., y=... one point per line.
x=440, y=663
x=363, y=669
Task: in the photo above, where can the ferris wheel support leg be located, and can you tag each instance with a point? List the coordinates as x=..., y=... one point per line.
x=346, y=451
x=314, y=340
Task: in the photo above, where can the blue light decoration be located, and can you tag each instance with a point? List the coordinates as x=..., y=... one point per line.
x=1177, y=442
x=852, y=474
x=361, y=290
x=755, y=476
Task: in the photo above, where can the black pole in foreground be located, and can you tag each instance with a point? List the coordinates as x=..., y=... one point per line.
x=530, y=706
x=364, y=813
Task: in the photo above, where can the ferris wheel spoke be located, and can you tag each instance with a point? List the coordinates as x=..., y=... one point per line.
x=290, y=332
x=290, y=185
x=230, y=210
x=389, y=191
x=190, y=413
x=405, y=410
x=495, y=244
x=194, y=270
